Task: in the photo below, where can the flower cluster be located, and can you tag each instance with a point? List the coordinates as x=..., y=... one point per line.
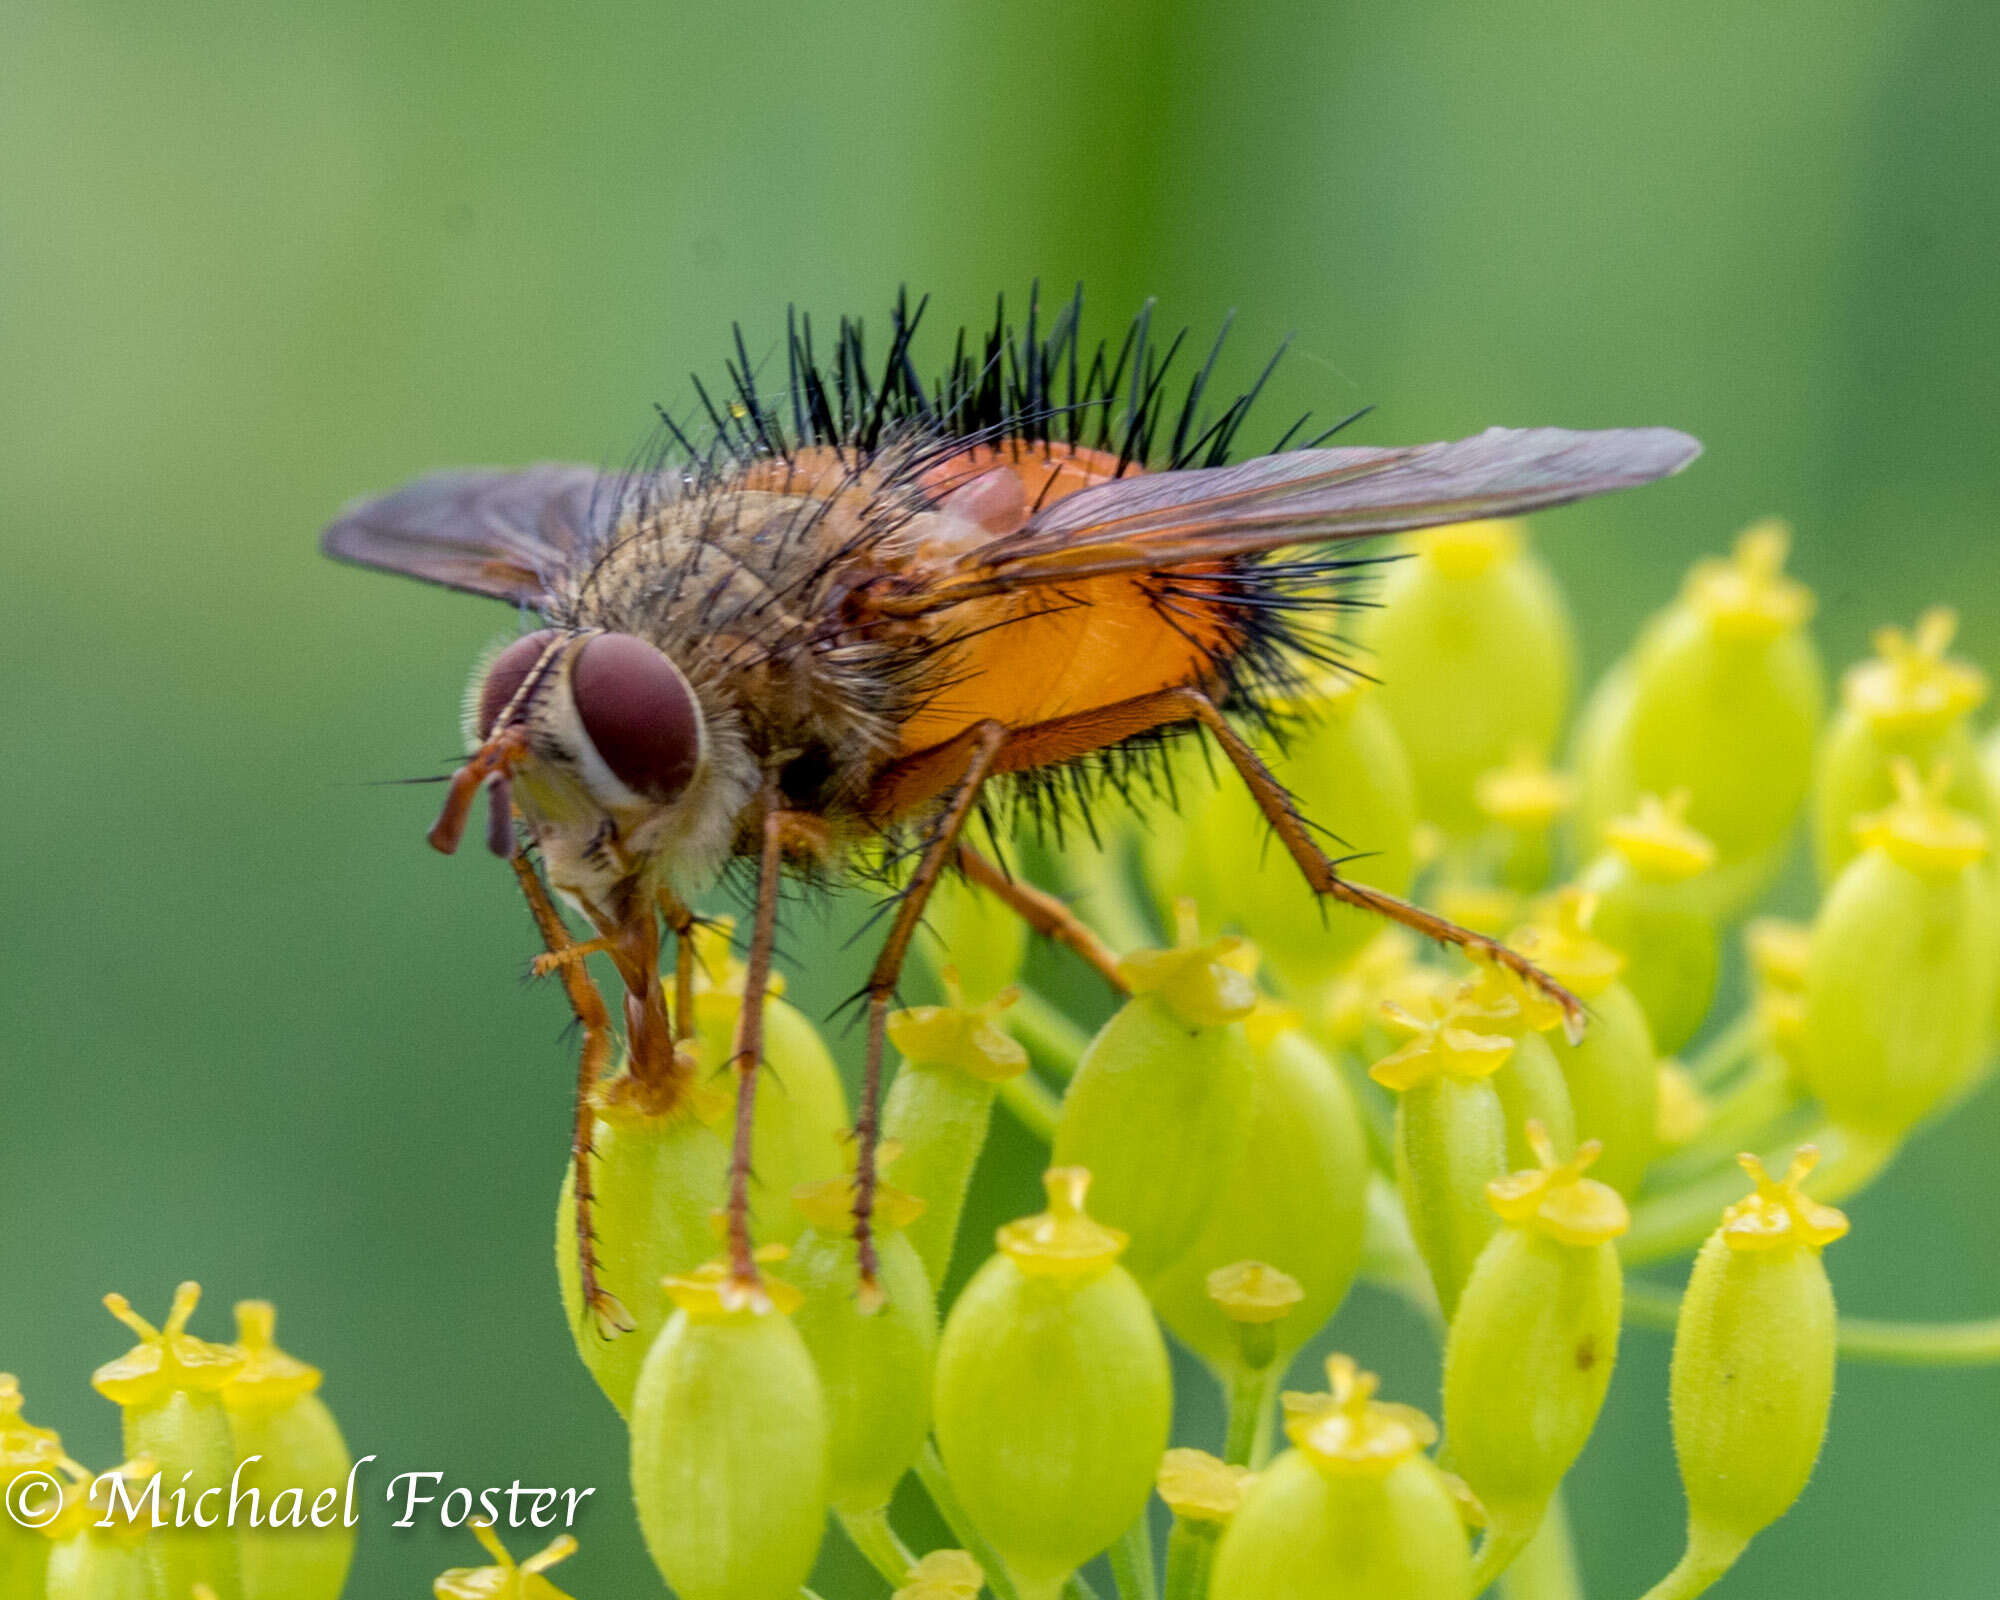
x=1256, y=1125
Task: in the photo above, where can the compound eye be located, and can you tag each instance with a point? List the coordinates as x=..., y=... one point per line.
x=640, y=714
x=509, y=671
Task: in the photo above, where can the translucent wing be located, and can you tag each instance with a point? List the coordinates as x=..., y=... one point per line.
x=487, y=532
x=1168, y=519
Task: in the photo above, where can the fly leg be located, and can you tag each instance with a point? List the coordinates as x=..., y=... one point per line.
x=1043, y=912
x=680, y=923
x=604, y=1307
x=973, y=753
x=1323, y=877
x=745, y=1286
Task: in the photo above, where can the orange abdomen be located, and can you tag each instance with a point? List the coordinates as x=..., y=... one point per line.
x=1054, y=652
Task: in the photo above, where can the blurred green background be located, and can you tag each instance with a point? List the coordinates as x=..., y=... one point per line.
x=257, y=259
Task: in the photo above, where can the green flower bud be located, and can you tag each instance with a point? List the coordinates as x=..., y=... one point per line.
x=1532, y=1346
x=1779, y=953
x=1652, y=907
x=89, y=1562
x=1522, y=802
x=729, y=1444
x=1355, y=1511
x=1215, y=847
x=874, y=1366
x=1613, y=1071
x=1475, y=654
x=1899, y=978
x=659, y=1172
x=975, y=937
x=1297, y=1199
x=1159, y=1109
x=1911, y=702
x=1752, y=1377
x=801, y=1108
x=24, y=1552
x=954, y=1060
x=505, y=1580
x=1721, y=696
x=1451, y=1133
x=943, y=1575
x=169, y=1387
x=275, y=1412
x=1053, y=1396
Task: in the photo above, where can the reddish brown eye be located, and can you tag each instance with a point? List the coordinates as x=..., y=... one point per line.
x=640, y=714
x=509, y=671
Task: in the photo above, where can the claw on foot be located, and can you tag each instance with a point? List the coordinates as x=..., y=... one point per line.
x=609, y=1316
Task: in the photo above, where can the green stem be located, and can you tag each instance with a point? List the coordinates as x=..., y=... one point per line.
x=1728, y=1050
x=1708, y=1557
x=1132, y=1561
x=1547, y=1570
x=1189, y=1555
x=871, y=1534
x=1057, y=1041
x=937, y=1484
x=1077, y=1587
x=1675, y=1222
x=1034, y=1105
x=1498, y=1551
x=1974, y=1343
x=1744, y=1116
x=1248, y=1394
x=1102, y=886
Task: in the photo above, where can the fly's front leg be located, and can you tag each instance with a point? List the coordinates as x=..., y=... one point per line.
x=1323, y=877
x=605, y=1309
x=680, y=923
x=975, y=752
x=745, y=1286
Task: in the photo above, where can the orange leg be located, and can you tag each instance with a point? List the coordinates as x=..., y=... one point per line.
x=973, y=752
x=1043, y=912
x=610, y=1316
x=923, y=775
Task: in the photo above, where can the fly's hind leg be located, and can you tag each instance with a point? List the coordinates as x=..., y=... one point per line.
x=1044, y=913
x=1323, y=877
x=605, y=1309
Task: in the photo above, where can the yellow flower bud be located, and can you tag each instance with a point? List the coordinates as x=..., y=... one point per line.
x=799, y=1123
x=954, y=1059
x=1534, y=1340
x=1451, y=1132
x=505, y=1580
x=1160, y=1107
x=1722, y=696
x=89, y=1562
x=275, y=1412
x=1523, y=801
x=975, y=936
x=1900, y=974
x=1355, y=1511
x=943, y=1575
x=1473, y=646
x=1053, y=1397
x=1296, y=1199
x=659, y=1171
x=729, y=1444
x=1613, y=1071
x=874, y=1365
x=1752, y=1377
x=1651, y=906
x=170, y=1387
x=1910, y=702
x=24, y=1552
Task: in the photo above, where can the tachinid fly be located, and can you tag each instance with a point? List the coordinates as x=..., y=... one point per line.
x=846, y=610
